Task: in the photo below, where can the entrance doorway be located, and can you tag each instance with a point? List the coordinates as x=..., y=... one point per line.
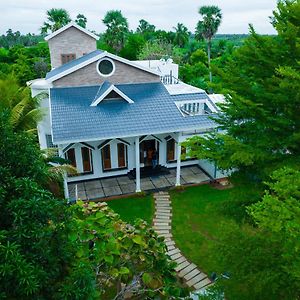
x=148, y=150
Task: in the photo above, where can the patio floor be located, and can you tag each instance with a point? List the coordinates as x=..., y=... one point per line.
x=122, y=185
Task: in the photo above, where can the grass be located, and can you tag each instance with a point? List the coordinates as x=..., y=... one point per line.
x=134, y=207
x=196, y=222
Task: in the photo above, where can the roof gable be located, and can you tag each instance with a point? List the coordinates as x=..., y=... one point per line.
x=86, y=60
x=106, y=91
x=71, y=24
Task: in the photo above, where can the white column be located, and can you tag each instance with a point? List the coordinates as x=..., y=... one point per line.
x=178, y=160
x=66, y=190
x=137, y=165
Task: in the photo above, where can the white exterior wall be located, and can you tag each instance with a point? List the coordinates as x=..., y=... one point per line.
x=97, y=159
x=44, y=126
x=210, y=169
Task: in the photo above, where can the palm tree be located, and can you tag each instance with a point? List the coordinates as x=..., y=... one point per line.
x=208, y=27
x=56, y=18
x=145, y=27
x=81, y=20
x=23, y=110
x=117, y=29
x=181, y=35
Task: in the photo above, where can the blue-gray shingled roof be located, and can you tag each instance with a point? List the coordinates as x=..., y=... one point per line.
x=72, y=64
x=153, y=112
x=102, y=89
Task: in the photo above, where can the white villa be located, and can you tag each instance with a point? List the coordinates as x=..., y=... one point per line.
x=113, y=117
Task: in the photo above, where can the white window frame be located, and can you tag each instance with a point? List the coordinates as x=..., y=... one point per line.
x=113, y=64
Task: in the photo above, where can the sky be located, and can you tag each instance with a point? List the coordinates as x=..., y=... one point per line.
x=29, y=15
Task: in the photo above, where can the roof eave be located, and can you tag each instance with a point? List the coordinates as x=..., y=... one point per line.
x=57, y=32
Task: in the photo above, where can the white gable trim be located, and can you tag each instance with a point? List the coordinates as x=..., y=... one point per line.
x=97, y=57
x=71, y=24
x=110, y=89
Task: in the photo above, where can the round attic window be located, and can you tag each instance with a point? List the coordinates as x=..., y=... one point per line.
x=106, y=67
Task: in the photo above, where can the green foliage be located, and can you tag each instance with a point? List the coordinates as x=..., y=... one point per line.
x=11, y=39
x=117, y=29
x=56, y=18
x=264, y=262
x=145, y=29
x=157, y=49
x=81, y=20
x=130, y=258
x=181, y=35
x=133, y=46
x=260, y=119
x=17, y=103
x=36, y=258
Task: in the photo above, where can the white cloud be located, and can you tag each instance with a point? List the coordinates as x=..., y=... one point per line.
x=28, y=15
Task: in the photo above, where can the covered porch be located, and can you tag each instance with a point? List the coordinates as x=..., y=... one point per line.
x=124, y=184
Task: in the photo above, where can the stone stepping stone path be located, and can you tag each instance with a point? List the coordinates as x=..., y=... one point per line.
x=189, y=272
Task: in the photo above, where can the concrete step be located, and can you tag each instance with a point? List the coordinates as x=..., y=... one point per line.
x=163, y=210
x=187, y=270
x=162, y=231
x=162, y=227
x=159, y=221
x=180, y=260
x=172, y=252
x=192, y=274
x=163, y=214
x=171, y=247
x=168, y=240
x=176, y=256
x=162, y=205
x=182, y=265
x=203, y=283
x=199, y=277
x=170, y=243
x=165, y=235
x=162, y=223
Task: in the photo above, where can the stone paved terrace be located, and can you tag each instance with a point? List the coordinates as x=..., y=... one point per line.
x=122, y=185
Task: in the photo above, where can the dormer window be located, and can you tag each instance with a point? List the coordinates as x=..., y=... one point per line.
x=65, y=58
x=106, y=67
x=109, y=92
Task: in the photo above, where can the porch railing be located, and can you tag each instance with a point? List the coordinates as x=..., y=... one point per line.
x=169, y=79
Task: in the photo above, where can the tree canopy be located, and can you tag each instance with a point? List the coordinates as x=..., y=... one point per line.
x=56, y=18
x=260, y=118
x=208, y=27
x=117, y=29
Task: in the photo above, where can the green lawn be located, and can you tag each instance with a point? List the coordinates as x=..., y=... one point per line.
x=196, y=222
x=134, y=207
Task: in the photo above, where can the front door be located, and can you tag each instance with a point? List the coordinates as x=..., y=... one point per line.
x=147, y=150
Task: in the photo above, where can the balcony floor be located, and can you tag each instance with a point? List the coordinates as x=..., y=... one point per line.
x=122, y=185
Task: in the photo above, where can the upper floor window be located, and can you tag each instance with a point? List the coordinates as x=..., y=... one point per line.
x=105, y=67
x=65, y=58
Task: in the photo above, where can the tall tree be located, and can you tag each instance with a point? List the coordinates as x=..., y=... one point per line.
x=145, y=27
x=181, y=35
x=81, y=20
x=208, y=27
x=56, y=18
x=260, y=119
x=117, y=29
x=36, y=258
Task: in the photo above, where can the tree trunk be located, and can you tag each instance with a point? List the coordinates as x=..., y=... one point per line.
x=208, y=55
